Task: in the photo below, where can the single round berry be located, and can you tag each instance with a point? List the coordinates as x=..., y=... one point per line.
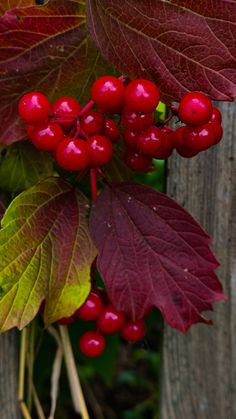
x=92, y=344
x=47, y=136
x=142, y=95
x=66, y=109
x=131, y=139
x=199, y=138
x=151, y=141
x=108, y=94
x=99, y=150
x=111, y=130
x=72, y=154
x=167, y=147
x=91, y=308
x=216, y=115
x=134, y=121
x=195, y=109
x=110, y=320
x=183, y=151
x=177, y=137
x=66, y=321
x=133, y=331
x=34, y=108
x=137, y=161
x=218, y=131
x=92, y=122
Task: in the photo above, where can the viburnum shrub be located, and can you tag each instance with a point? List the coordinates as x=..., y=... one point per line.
x=75, y=133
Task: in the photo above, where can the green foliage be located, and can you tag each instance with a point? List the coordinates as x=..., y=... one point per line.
x=46, y=254
x=22, y=166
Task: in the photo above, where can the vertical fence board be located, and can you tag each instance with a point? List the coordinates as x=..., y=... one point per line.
x=199, y=368
x=9, y=407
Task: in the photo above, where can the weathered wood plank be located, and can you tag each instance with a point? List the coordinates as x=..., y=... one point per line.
x=199, y=369
x=9, y=407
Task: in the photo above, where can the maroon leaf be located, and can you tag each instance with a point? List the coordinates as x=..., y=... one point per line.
x=153, y=253
x=183, y=45
x=46, y=48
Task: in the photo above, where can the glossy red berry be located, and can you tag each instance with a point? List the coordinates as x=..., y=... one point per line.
x=47, y=136
x=108, y=94
x=29, y=130
x=99, y=150
x=92, y=122
x=66, y=321
x=216, y=115
x=110, y=320
x=151, y=141
x=66, y=109
x=92, y=344
x=134, y=121
x=111, y=130
x=199, y=138
x=91, y=308
x=137, y=161
x=72, y=154
x=195, y=109
x=167, y=147
x=131, y=139
x=133, y=331
x=177, y=137
x=218, y=131
x=142, y=95
x=34, y=108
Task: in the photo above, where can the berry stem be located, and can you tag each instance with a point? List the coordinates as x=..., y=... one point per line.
x=93, y=182
x=81, y=175
x=86, y=108
x=168, y=119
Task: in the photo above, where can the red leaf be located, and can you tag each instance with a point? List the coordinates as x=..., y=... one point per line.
x=153, y=253
x=46, y=48
x=183, y=45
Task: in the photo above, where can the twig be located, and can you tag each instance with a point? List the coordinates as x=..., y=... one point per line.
x=75, y=386
x=24, y=410
x=22, y=364
x=37, y=404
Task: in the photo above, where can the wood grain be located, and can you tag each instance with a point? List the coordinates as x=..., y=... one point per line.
x=199, y=368
x=9, y=406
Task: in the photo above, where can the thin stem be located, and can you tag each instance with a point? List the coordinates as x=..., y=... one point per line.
x=174, y=109
x=85, y=108
x=37, y=404
x=75, y=386
x=24, y=410
x=81, y=175
x=22, y=364
x=93, y=182
x=30, y=363
x=168, y=119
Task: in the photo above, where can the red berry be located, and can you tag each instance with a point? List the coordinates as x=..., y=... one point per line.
x=183, y=151
x=177, y=137
x=133, y=331
x=216, y=115
x=137, y=161
x=167, y=147
x=92, y=344
x=218, y=131
x=142, y=96
x=134, y=121
x=195, y=109
x=92, y=122
x=108, y=94
x=131, y=139
x=199, y=138
x=91, y=308
x=47, y=136
x=29, y=130
x=110, y=320
x=66, y=321
x=99, y=150
x=72, y=154
x=151, y=141
x=34, y=108
x=112, y=130
x=66, y=109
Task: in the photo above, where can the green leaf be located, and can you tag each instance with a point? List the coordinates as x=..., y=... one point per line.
x=22, y=166
x=46, y=253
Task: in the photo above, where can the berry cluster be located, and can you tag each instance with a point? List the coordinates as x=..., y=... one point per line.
x=85, y=137
x=98, y=308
